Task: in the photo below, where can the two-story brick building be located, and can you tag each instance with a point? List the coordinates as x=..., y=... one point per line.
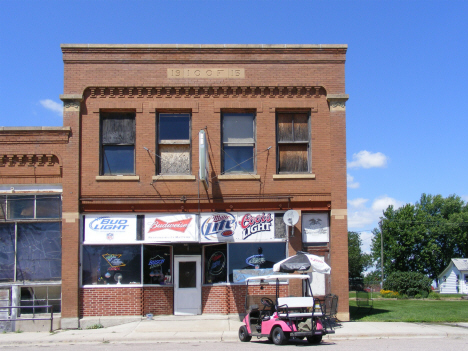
x=180, y=164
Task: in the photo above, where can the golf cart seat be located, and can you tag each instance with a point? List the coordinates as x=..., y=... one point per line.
x=297, y=307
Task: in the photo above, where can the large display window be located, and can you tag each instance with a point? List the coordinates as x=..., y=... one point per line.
x=215, y=264
x=157, y=265
x=36, y=249
x=252, y=259
x=111, y=264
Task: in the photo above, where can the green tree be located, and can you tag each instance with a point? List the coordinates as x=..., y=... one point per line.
x=358, y=261
x=422, y=237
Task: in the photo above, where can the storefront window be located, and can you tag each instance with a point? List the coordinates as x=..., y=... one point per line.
x=111, y=264
x=7, y=251
x=39, y=251
x=215, y=264
x=251, y=259
x=157, y=265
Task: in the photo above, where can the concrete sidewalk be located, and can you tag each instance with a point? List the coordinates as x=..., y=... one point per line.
x=218, y=328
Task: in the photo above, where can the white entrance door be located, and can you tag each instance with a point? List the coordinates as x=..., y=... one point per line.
x=187, y=285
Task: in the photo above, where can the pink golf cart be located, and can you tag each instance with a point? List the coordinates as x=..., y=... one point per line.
x=281, y=318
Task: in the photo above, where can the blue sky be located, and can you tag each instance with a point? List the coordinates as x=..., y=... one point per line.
x=406, y=71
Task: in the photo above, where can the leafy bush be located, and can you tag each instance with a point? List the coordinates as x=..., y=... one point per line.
x=402, y=297
x=434, y=296
x=409, y=283
x=418, y=296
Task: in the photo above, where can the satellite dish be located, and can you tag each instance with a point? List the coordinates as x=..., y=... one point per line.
x=291, y=217
x=118, y=278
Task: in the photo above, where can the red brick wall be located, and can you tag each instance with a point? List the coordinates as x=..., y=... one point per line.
x=158, y=300
x=110, y=302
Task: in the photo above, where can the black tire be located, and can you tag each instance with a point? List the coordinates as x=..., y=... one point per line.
x=244, y=334
x=279, y=337
x=314, y=339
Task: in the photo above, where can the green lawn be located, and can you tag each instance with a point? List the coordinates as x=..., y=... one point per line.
x=392, y=310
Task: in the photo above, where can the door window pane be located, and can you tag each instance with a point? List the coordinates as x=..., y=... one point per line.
x=111, y=264
x=7, y=251
x=187, y=275
x=39, y=251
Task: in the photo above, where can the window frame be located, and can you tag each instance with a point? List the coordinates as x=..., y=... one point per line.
x=160, y=141
x=308, y=143
x=5, y=204
x=114, y=114
x=254, y=144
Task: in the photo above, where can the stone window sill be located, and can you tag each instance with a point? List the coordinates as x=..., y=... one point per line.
x=173, y=177
x=239, y=177
x=119, y=178
x=294, y=176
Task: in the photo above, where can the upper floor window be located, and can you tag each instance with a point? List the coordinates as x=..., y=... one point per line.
x=117, y=143
x=238, y=135
x=173, y=143
x=293, y=142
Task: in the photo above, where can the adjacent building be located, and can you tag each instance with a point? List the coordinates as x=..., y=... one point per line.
x=454, y=278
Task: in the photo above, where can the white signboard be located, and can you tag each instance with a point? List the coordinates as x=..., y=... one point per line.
x=171, y=228
x=110, y=229
x=237, y=227
x=203, y=159
x=315, y=227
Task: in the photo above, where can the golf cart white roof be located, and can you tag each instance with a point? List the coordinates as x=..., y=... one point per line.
x=279, y=276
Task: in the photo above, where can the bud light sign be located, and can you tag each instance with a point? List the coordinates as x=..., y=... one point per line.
x=110, y=229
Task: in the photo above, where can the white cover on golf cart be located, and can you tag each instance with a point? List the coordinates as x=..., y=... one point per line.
x=302, y=262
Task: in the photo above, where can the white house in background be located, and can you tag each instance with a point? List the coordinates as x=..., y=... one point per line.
x=454, y=278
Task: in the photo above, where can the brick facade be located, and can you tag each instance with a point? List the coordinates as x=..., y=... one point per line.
x=136, y=78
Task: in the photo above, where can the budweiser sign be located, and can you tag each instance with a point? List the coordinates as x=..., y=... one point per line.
x=178, y=226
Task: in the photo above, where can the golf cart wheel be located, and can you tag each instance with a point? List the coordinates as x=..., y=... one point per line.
x=279, y=337
x=314, y=339
x=244, y=334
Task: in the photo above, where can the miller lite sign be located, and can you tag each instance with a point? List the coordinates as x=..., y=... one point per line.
x=171, y=228
x=218, y=227
x=237, y=227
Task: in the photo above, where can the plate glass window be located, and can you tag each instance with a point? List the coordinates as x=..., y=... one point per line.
x=293, y=142
x=174, y=143
x=117, y=143
x=238, y=142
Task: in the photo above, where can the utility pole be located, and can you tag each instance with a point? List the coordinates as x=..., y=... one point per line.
x=381, y=253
